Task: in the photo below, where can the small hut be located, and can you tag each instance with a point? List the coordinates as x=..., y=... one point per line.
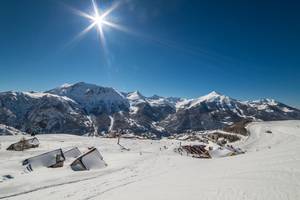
x=24, y=144
x=197, y=151
x=72, y=153
x=51, y=159
x=89, y=160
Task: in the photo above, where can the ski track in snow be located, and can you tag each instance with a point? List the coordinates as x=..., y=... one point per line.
x=56, y=185
x=268, y=170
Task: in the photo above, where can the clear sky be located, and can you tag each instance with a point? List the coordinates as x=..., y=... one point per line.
x=244, y=49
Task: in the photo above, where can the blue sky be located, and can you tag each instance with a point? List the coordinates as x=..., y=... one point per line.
x=244, y=49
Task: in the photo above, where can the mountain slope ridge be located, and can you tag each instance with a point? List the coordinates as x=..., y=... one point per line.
x=68, y=109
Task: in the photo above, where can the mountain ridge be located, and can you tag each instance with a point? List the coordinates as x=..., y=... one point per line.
x=83, y=108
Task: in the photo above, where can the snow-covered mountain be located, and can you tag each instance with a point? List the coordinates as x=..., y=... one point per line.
x=94, y=99
x=42, y=113
x=215, y=110
x=83, y=108
x=213, y=97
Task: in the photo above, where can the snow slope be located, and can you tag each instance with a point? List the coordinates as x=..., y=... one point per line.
x=269, y=169
x=93, y=98
x=8, y=130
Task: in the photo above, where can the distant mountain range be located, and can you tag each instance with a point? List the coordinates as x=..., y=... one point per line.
x=83, y=108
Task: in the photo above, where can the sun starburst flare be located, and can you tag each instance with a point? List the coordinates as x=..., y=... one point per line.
x=98, y=18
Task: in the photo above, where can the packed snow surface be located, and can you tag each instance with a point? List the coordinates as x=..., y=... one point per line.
x=268, y=170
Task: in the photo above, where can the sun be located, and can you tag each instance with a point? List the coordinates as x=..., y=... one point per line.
x=99, y=21
x=99, y=18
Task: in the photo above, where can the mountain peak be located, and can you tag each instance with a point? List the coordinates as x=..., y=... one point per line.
x=266, y=101
x=136, y=95
x=212, y=96
x=83, y=108
x=214, y=93
x=155, y=97
x=66, y=85
x=84, y=84
x=94, y=98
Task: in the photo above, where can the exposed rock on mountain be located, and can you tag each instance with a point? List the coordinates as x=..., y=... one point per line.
x=8, y=130
x=214, y=111
x=84, y=108
x=94, y=99
x=42, y=113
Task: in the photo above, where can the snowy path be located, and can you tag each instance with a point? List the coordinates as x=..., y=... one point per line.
x=269, y=170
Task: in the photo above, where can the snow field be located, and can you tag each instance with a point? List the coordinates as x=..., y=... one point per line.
x=268, y=170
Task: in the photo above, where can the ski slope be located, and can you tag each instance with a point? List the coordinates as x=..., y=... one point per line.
x=268, y=170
